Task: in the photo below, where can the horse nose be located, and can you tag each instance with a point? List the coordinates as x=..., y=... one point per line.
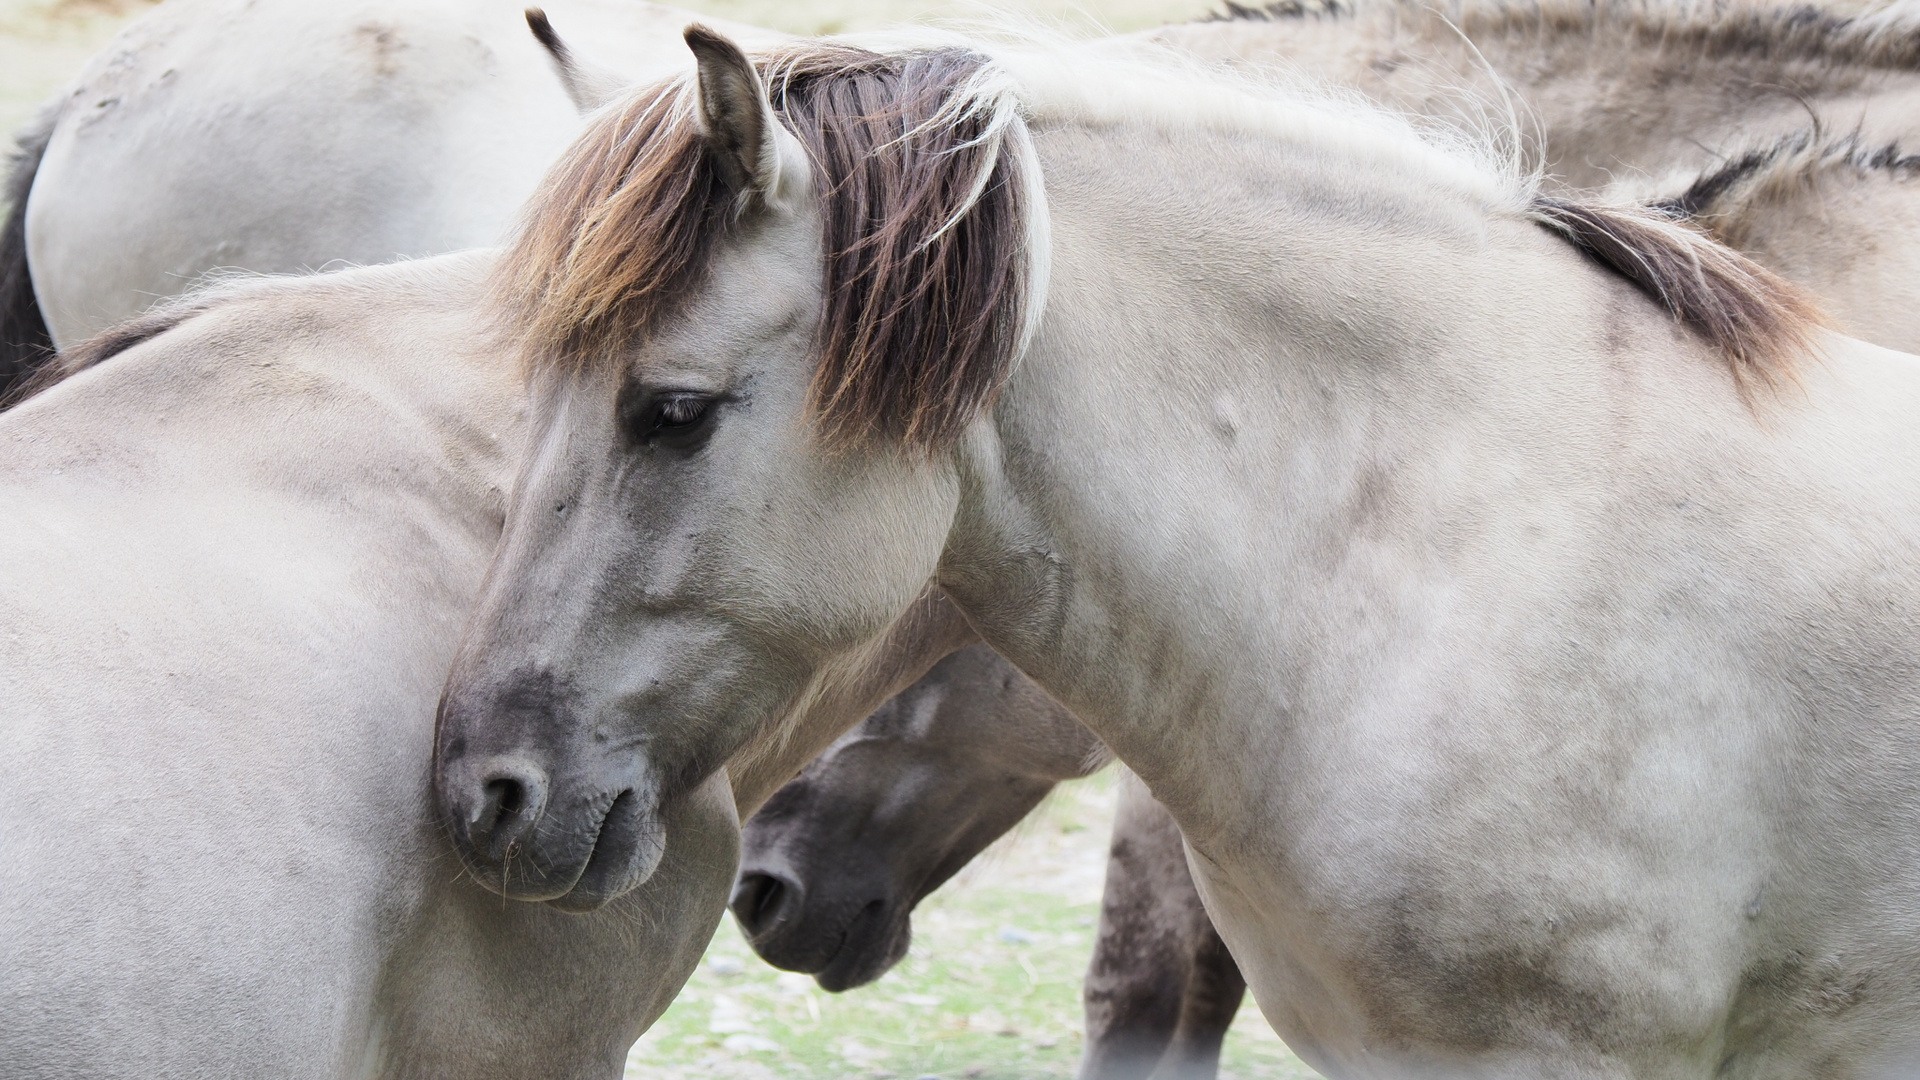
x=763, y=902
x=513, y=795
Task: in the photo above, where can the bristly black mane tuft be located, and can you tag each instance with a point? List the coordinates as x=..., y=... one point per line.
x=1725, y=190
x=1231, y=11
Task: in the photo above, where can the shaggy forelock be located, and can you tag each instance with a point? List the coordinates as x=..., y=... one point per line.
x=924, y=223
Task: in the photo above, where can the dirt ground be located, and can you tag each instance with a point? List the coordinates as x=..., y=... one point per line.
x=991, y=989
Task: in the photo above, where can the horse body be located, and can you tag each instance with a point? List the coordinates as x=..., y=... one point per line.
x=1534, y=702
x=239, y=583
x=1782, y=129
x=1509, y=716
x=280, y=136
x=1781, y=139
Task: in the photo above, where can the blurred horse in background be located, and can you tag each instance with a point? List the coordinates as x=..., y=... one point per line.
x=833, y=865
x=276, y=136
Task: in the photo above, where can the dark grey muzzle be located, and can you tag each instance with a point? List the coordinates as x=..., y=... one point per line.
x=533, y=817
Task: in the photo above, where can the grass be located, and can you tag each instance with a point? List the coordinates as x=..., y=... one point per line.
x=991, y=989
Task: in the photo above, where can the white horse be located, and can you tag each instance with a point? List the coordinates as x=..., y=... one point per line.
x=241, y=553
x=280, y=135
x=1529, y=668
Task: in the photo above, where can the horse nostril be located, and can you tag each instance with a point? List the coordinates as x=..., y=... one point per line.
x=512, y=798
x=763, y=901
x=506, y=795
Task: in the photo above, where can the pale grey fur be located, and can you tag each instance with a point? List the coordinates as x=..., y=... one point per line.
x=370, y=131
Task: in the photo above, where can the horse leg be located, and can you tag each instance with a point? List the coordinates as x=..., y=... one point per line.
x=1214, y=990
x=1137, y=982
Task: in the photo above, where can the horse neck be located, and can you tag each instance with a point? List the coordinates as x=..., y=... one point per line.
x=1607, y=96
x=844, y=694
x=1267, y=384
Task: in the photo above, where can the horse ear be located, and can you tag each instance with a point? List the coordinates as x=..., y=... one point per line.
x=734, y=114
x=588, y=87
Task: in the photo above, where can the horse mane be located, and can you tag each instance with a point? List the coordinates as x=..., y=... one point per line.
x=1728, y=199
x=107, y=344
x=925, y=211
x=1887, y=37
x=1759, y=321
x=917, y=165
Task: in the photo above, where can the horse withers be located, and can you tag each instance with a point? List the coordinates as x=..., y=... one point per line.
x=1784, y=129
x=1475, y=575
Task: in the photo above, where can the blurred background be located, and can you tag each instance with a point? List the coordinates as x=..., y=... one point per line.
x=991, y=990
x=44, y=42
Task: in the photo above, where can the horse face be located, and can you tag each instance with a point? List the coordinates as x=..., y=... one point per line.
x=836, y=861
x=690, y=555
x=681, y=558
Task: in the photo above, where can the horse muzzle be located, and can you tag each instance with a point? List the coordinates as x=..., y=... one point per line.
x=842, y=940
x=576, y=838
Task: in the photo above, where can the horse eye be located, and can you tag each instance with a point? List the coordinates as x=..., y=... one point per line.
x=678, y=412
x=677, y=420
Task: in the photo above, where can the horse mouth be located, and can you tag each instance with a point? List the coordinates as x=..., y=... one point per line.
x=627, y=848
x=865, y=951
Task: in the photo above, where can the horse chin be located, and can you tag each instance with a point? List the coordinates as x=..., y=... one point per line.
x=625, y=854
x=868, y=952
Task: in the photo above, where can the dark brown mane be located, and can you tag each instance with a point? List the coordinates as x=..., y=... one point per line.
x=1761, y=322
x=1785, y=31
x=923, y=219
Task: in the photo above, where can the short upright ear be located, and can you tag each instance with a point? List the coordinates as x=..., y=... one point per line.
x=588, y=87
x=734, y=114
